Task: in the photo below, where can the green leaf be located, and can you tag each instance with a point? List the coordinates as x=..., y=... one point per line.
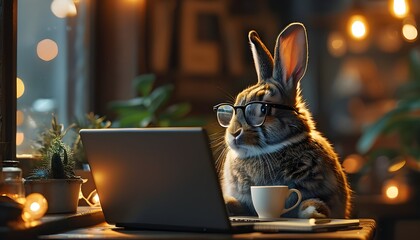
x=373, y=132
x=178, y=110
x=143, y=84
x=415, y=65
x=135, y=118
x=131, y=103
x=402, y=123
x=409, y=91
x=160, y=96
x=387, y=121
x=147, y=121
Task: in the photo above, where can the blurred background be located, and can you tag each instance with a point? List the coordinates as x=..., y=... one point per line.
x=143, y=63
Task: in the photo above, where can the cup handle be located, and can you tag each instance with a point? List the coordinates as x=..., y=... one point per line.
x=299, y=195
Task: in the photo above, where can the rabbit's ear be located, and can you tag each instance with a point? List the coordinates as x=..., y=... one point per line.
x=291, y=55
x=262, y=57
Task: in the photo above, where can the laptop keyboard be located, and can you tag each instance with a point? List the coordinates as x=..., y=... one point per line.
x=248, y=219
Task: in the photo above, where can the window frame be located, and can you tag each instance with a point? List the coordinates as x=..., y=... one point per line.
x=8, y=33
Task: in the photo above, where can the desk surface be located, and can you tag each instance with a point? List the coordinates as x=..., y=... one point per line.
x=106, y=231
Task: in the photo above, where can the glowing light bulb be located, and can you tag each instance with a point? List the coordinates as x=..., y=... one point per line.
x=35, y=207
x=358, y=27
x=399, y=8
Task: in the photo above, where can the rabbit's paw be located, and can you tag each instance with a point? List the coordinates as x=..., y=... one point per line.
x=313, y=208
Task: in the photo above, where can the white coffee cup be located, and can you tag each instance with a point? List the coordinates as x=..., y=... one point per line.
x=269, y=201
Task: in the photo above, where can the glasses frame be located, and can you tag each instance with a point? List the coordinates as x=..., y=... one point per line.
x=268, y=105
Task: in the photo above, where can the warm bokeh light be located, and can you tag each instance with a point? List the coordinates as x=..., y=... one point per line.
x=63, y=8
x=47, y=49
x=409, y=32
x=396, y=190
x=20, y=88
x=71, y=11
x=399, y=8
x=337, y=45
x=141, y=2
x=392, y=192
x=20, y=137
x=397, y=166
x=20, y=117
x=353, y=163
x=357, y=27
x=35, y=207
x=59, y=8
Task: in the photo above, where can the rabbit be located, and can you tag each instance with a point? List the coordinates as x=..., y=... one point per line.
x=275, y=142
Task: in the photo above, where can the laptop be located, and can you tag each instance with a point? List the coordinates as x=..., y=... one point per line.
x=165, y=179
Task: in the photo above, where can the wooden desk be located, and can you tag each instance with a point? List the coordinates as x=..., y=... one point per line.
x=106, y=231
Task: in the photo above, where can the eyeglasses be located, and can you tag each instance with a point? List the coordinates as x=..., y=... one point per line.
x=254, y=112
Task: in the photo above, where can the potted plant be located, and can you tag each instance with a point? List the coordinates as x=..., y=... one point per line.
x=150, y=107
x=395, y=137
x=54, y=176
x=91, y=121
x=401, y=124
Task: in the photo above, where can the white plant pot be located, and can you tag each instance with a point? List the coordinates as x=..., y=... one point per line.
x=62, y=194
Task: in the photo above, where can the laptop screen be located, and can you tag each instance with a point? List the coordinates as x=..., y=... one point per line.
x=156, y=178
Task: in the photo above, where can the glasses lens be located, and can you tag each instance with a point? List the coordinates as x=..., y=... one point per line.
x=225, y=114
x=255, y=113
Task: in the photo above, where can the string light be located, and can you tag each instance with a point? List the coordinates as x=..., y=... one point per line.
x=399, y=8
x=95, y=199
x=92, y=199
x=357, y=27
x=35, y=207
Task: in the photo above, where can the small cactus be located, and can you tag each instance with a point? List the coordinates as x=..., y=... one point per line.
x=57, y=157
